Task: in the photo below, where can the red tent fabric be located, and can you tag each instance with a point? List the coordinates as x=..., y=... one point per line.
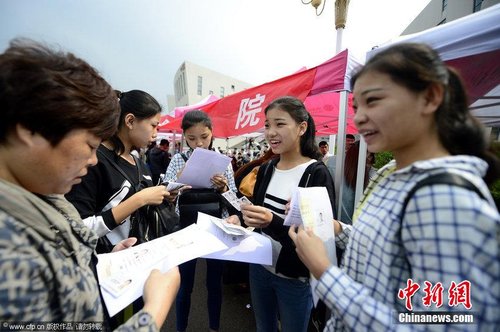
x=325, y=111
x=243, y=112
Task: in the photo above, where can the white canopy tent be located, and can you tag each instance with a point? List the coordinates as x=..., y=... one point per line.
x=471, y=45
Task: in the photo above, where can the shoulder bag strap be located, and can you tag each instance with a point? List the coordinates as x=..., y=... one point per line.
x=120, y=170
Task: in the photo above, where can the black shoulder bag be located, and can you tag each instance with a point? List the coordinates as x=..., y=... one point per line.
x=192, y=201
x=151, y=221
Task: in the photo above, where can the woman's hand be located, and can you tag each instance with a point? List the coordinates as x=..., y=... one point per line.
x=174, y=193
x=256, y=216
x=337, y=227
x=219, y=181
x=153, y=195
x=124, y=244
x=234, y=220
x=310, y=249
x=287, y=207
x=160, y=291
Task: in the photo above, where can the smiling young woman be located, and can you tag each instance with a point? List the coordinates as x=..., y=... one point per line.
x=410, y=103
x=282, y=290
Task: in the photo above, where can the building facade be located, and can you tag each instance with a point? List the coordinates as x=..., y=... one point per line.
x=192, y=83
x=442, y=11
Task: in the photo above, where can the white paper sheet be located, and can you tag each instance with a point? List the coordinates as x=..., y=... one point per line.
x=251, y=247
x=122, y=274
x=201, y=166
x=311, y=207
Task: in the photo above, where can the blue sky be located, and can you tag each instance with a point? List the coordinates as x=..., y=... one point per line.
x=141, y=44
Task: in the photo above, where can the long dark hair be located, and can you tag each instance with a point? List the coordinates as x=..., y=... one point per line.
x=351, y=166
x=417, y=67
x=298, y=112
x=139, y=103
x=192, y=118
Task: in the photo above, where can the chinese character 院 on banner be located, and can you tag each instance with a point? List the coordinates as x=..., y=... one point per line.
x=249, y=107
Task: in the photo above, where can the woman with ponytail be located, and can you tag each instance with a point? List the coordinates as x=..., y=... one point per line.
x=426, y=233
x=282, y=291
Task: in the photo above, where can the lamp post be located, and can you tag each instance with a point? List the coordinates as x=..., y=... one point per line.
x=340, y=17
x=340, y=22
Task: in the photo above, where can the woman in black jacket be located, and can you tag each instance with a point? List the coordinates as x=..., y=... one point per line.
x=283, y=288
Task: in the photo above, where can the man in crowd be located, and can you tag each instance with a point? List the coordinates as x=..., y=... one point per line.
x=158, y=160
x=331, y=162
x=323, y=148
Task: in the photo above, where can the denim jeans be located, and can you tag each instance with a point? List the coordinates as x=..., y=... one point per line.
x=214, y=288
x=274, y=296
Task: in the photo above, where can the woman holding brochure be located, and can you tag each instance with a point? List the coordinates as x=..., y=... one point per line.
x=107, y=198
x=197, y=129
x=56, y=109
x=435, y=248
x=282, y=291
x=110, y=194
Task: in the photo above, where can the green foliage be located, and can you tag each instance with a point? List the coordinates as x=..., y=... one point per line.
x=382, y=158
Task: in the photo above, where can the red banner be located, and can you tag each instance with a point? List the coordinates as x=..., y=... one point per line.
x=243, y=112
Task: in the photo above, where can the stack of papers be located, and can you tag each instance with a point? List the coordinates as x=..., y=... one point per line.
x=202, y=166
x=122, y=274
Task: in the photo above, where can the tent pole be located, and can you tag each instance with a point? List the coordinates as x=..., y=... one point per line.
x=360, y=176
x=340, y=159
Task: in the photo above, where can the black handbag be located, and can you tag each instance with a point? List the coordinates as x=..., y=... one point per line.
x=150, y=221
x=153, y=221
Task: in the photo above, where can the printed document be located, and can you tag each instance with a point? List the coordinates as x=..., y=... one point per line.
x=201, y=166
x=122, y=274
x=243, y=245
x=311, y=208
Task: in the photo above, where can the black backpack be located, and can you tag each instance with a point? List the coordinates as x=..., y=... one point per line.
x=192, y=201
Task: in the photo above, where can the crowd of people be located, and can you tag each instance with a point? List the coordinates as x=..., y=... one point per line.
x=70, y=187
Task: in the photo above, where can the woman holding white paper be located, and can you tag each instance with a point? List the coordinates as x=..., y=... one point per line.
x=282, y=290
x=115, y=190
x=107, y=197
x=409, y=247
x=197, y=129
x=56, y=110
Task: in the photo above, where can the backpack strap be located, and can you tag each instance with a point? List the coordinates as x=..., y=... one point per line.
x=183, y=155
x=441, y=178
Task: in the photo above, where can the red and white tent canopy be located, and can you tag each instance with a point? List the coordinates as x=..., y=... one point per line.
x=179, y=111
x=243, y=112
